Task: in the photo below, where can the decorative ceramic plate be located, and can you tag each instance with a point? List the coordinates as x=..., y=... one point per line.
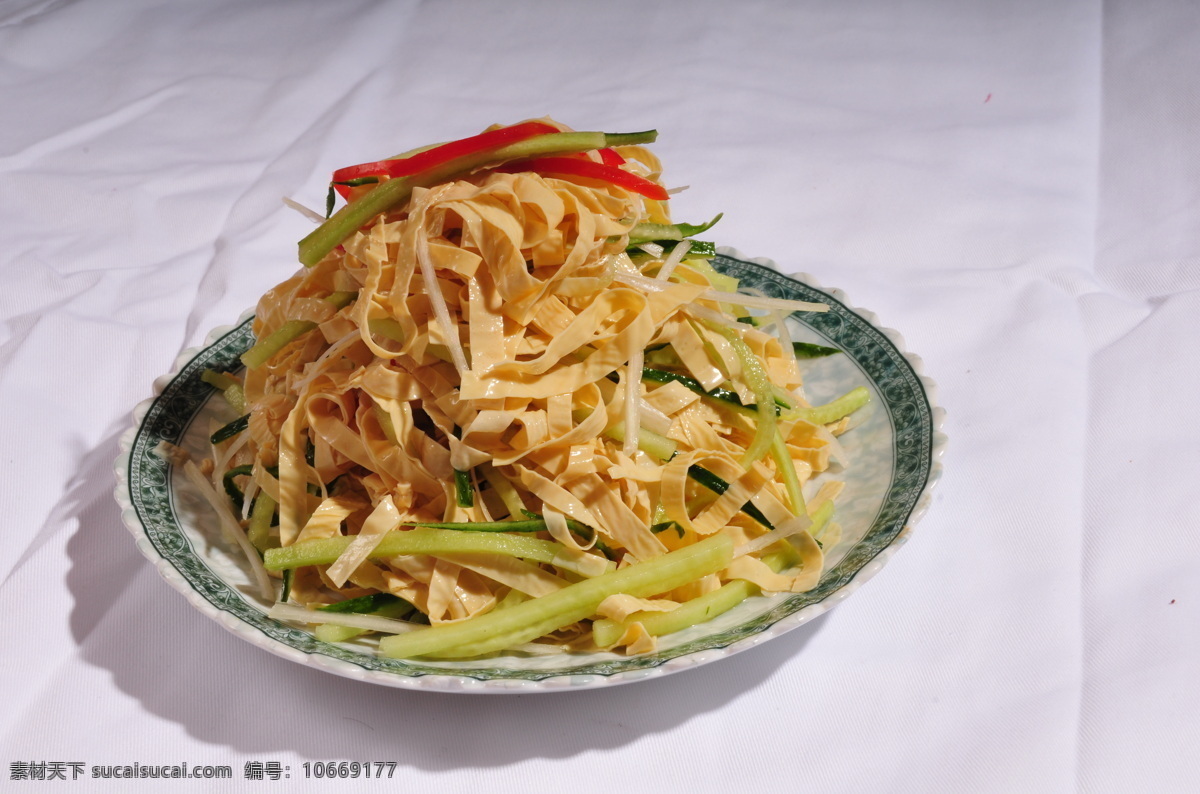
x=893, y=451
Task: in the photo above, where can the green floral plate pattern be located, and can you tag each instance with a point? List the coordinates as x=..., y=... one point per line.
x=892, y=462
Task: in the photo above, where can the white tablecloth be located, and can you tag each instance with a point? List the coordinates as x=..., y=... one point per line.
x=1014, y=186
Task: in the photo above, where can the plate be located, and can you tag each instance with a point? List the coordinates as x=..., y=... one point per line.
x=894, y=453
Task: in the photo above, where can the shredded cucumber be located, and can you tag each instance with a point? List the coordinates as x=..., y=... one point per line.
x=259, y=530
x=384, y=605
x=230, y=430
x=423, y=540
x=659, y=232
x=706, y=607
x=845, y=405
x=275, y=341
x=529, y=620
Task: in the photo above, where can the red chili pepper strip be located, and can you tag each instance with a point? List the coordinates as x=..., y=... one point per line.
x=431, y=158
x=589, y=169
x=609, y=157
x=390, y=193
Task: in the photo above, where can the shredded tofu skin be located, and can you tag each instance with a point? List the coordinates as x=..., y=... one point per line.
x=491, y=332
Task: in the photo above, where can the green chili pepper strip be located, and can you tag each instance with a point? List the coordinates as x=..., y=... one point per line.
x=394, y=192
x=657, y=232
x=531, y=619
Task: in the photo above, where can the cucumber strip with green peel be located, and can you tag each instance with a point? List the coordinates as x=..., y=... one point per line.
x=787, y=468
x=362, y=604
x=235, y=395
x=664, y=526
x=532, y=525
x=275, y=341
x=663, y=356
x=663, y=376
x=719, y=281
x=258, y=531
x=659, y=232
x=718, y=486
x=531, y=619
x=464, y=492
x=332, y=632
x=809, y=350
x=422, y=540
x=219, y=380
x=580, y=529
x=653, y=444
x=845, y=405
x=758, y=381
x=387, y=328
x=395, y=192
x=718, y=395
x=511, y=598
x=703, y=608
x=385, y=422
x=341, y=300
x=358, y=181
x=820, y=518
x=229, y=386
x=505, y=490
x=385, y=605
x=230, y=430
x=235, y=493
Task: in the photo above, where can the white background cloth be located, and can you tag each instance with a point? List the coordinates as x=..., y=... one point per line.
x=1015, y=186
